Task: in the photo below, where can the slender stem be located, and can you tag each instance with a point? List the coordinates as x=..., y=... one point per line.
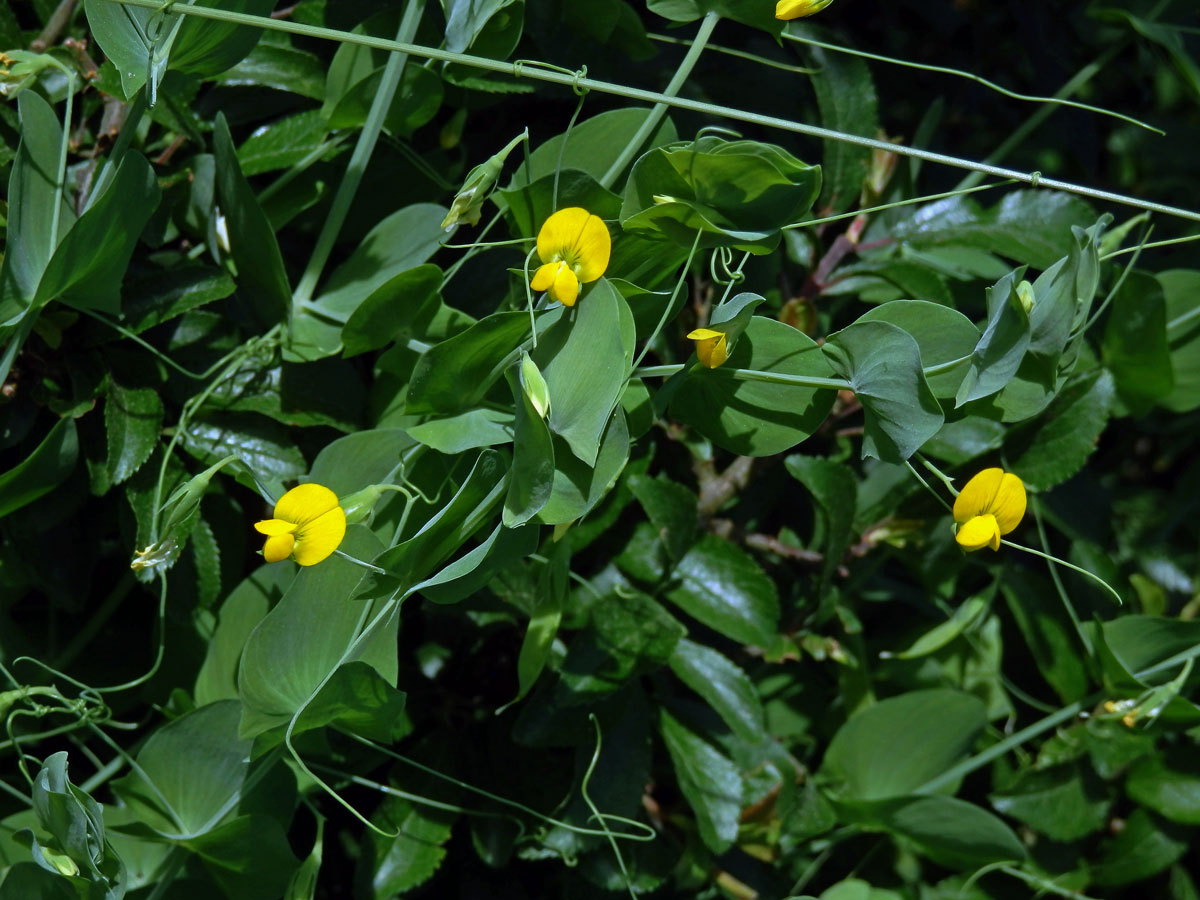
x=1058, y=584
x=541, y=74
x=660, y=108
x=1074, y=568
x=928, y=198
x=340, y=207
x=809, y=381
x=740, y=54
x=61, y=176
x=1167, y=243
x=662, y=320
x=971, y=76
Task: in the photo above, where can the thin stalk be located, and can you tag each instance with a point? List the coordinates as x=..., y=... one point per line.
x=1147, y=246
x=740, y=54
x=928, y=198
x=971, y=76
x=660, y=109
x=61, y=176
x=809, y=381
x=340, y=207
x=526, y=70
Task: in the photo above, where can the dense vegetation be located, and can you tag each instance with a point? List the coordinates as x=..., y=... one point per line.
x=640, y=352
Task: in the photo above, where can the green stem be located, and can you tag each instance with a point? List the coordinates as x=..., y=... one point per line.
x=709, y=109
x=61, y=184
x=340, y=207
x=1147, y=246
x=971, y=76
x=660, y=108
x=928, y=198
x=1074, y=568
x=809, y=381
x=667, y=310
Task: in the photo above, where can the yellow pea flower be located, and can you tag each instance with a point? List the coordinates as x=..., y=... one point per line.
x=798, y=9
x=308, y=525
x=574, y=247
x=991, y=504
x=711, y=348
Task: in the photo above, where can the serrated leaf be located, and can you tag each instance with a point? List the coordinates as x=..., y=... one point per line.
x=208, y=563
x=724, y=685
x=133, y=420
x=1135, y=343
x=1066, y=435
x=672, y=511
x=1065, y=803
x=708, y=779
x=723, y=587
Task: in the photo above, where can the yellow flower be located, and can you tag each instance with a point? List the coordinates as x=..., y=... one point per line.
x=798, y=9
x=710, y=346
x=991, y=504
x=308, y=525
x=574, y=247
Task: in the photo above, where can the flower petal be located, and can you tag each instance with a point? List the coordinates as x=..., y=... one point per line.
x=1009, y=505
x=977, y=495
x=592, y=249
x=278, y=547
x=979, y=532
x=320, y=537
x=566, y=287
x=798, y=9
x=543, y=278
x=272, y=527
x=559, y=232
x=711, y=349
x=304, y=503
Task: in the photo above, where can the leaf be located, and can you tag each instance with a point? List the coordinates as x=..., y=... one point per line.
x=1167, y=784
x=75, y=822
x=584, y=357
x=283, y=143
x=720, y=585
x=393, y=310
x=725, y=687
x=207, y=47
x=883, y=365
x=190, y=772
x=287, y=661
x=249, y=857
x=710, y=782
x=263, y=447
x=671, y=509
x=1032, y=227
x=133, y=419
x=941, y=635
x=999, y=352
x=942, y=335
x=472, y=571
x=355, y=699
x=1135, y=345
x=242, y=610
x=544, y=619
x=531, y=478
x=751, y=418
x=32, y=195
x=897, y=745
x=453, y=375
x=1144, y=847
x=734, y=193
x=530, y=205
x=356, y=460
x=281, y=67
x=1067, y=434
x=1065, y=802
x=848, y=104
x=43, y=470
x=834, y=488
x=262, y=279
x=164, y=294
x=110, y=25
x=465, y=431
x=1181, y=290
x=748, y=12
x=409, y=859
x=579, y=488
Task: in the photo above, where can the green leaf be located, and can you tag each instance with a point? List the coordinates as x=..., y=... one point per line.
x=530, y=205
x=834, y=488
x=281, y=67
x=29, y=881
x=322, y=392
x=133, y=419
x=207, y=47
x=395, y=309
x=1144, y=847
x=735, y=193
x=1065, y=803
x=358, y=700
x=748, y=12
x=283, y=143
x=999, y=352
x=752, y=418
x=409, y=859
x=264, y=448
x=897, y=745
x=942, y=335
x=720, y=585
x=883, y=365
x=941, y=635
x=43, y=470
x=710, y=782
x=164, y=294
x=1181, y=289
x=1066, y=435
x=249, y=857
x=848, y=104
x=262, y=280
x=453, y=375
x=87, y=268
x=243, y=609
x=474, y=569
x=1135, y=345
x=417, y=100
x=584, y=357
x=1167, y=784
x=531, y=478
x=190, y=772
x=965, y=439
x=32, y=195
x=286, y=660
x=544, y=619
x=356, y=460
x=578, y=488
x=725, y=687
x=465, y=431
x=949, y=831
x=468, y=23
x=671, y=509
x=75, y=822
x=111, y=26
x=1140, y=642
x=1032, y=227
